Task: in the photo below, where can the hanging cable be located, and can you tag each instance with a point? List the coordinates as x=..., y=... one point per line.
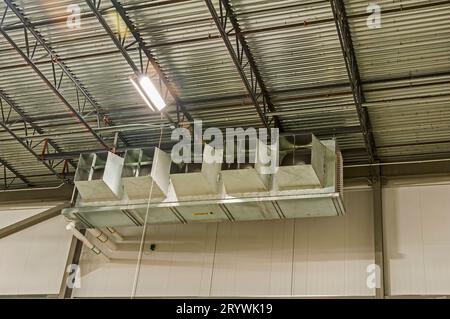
x=144, y=231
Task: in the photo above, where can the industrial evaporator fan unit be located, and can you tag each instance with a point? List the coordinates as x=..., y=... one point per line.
x=302, y=163
x=301, y=176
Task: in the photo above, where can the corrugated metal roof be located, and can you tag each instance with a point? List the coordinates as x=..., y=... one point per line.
x=404, y=67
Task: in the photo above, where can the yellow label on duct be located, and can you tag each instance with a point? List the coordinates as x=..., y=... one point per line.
x=200, y=214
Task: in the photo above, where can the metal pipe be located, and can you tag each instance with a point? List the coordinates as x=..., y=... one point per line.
x=103, y=238
x=84, y=240
x=135, y=127
x=115, y=233
x=399, y=163
x=109, y=129
x=32, y=189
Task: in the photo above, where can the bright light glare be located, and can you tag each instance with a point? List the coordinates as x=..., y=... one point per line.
x=151, y=92
x=136, y=86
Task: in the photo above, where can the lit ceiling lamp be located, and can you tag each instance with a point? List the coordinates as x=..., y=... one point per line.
x=148, y=92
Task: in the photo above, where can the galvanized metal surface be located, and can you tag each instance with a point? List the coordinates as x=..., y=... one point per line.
x=404, y=67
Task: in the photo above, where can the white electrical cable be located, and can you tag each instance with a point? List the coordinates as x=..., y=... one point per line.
x=144, y=231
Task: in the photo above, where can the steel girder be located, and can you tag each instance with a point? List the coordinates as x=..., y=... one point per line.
x=243, y=59
x=33, y=220
x=28, y=128
x=26, y=122
x=57, y=60
x=6, y=166
x=151, y=58
x=28, y=57
x=31, y=149
x=343, y=30
x=168, y=146
x=123, y=47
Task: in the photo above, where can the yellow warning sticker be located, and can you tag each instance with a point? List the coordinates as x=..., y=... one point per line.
x=201, y=214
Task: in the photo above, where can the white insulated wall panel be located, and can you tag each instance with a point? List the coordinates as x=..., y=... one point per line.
x=417, y=230
x=332, y=253
x=181, y=265
x=254, y=258
x=10, y=214
x=32, y=261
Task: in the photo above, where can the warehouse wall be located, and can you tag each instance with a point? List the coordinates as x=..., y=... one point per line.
x=32, y=261
x=316, y=256
x=417, y=230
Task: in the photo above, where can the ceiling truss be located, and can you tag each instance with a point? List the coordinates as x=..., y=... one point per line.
x=59, y=74
x=343, y=30
x=243, y=60
x=124, y=44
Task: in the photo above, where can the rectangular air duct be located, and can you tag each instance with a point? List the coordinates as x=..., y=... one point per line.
x=302, y=163
x=251, y=171
x=196, y=179
x=98, y=176
x=211, y=212
x=307, y=183
x=146, y=170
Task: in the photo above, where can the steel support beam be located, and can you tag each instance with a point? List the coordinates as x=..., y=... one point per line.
x=52, y=87
x=343, y=30
x=120, y=44
x=29, y=128
x=57, y=60
x=60, y=193
x=30, y=150
x=27, y=121
x=382, y=280
x=168, y=146
x=6, y=165
x=151, y=58
x=226, y=23
x=73, y=258
x=33, y=220
x=159, y=4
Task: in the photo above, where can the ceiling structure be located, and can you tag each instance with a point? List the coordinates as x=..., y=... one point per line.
x=303, y=66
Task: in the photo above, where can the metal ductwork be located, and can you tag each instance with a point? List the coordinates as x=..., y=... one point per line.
x=146, y=171
x=197, y=178
x=246, y=176
x=98, y=176
x=301, y=176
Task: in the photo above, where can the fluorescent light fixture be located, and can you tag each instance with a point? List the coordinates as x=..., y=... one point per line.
x=152, y=92
x=148, y=92
x=136, y=85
